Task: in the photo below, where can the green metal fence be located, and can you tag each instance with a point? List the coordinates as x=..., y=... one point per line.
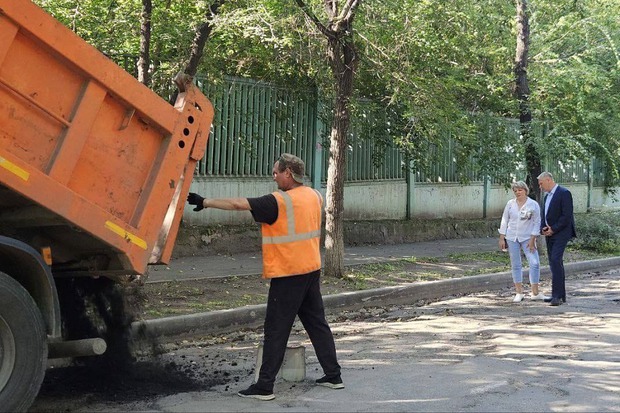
x=597, y=172
x=369, y=156
x=255, y=122
x=443, y=165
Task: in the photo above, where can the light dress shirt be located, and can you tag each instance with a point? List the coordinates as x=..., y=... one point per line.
x=520, y=224
x=548, y=198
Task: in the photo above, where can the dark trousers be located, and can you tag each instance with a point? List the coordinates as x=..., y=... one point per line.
x=555, y=251
x=298, y=295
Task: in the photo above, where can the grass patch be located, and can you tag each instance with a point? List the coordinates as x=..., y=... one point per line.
x=487, y=256
x=415, y=260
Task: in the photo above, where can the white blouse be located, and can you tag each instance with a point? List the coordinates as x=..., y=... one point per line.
x=520, y=224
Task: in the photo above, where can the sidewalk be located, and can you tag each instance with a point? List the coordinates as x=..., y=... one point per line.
x=197, y=267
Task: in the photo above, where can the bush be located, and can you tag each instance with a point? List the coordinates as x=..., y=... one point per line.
x=597, y=231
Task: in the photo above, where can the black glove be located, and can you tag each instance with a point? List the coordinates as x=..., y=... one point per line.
x=195, y=199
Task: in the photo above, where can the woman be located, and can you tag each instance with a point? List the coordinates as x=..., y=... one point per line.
x=518, y=231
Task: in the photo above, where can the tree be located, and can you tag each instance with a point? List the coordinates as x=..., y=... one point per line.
x=203, y=31
x=202, y=35
x=522, y=93
x=575, y=66
x=437, y=66
x=429, y=66
x=342, y=58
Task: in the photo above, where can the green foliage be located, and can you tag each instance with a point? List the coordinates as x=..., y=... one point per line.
x=434, y=63
x=263, y=40
x=575, y=67
x=427, y=66
x=111, y=26
x=489, y=256
x=599, y=232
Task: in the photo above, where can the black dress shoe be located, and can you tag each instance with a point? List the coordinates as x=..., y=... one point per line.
x=555, y=301
x=548, y=299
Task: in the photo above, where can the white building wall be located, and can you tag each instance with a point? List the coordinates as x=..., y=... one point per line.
x=580, y=196
x=221, y=187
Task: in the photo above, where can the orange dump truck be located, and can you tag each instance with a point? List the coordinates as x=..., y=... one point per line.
x=94, y=172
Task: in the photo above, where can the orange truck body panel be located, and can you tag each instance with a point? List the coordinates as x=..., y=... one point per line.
x=92, y=163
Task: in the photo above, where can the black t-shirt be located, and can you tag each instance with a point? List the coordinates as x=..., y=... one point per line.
x=264, y=209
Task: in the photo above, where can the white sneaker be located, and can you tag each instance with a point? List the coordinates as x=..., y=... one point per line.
x=518, y=298
x=538, y=297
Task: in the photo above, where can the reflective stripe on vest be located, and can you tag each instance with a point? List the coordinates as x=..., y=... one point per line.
x=290, y=223
x=291, y=243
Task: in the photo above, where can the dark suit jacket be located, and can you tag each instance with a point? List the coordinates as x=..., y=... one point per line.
x=560, y=215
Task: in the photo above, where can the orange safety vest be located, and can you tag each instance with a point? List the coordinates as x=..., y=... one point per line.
x=291, y=244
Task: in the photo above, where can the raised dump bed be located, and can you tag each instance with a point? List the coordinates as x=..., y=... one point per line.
x=94, y=172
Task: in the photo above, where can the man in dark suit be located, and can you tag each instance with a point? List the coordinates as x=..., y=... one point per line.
x=558, y=227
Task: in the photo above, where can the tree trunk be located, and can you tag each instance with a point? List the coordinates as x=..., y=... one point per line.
x=522, y=92
x=145, y=43
x=341, y=55
x=342, y=58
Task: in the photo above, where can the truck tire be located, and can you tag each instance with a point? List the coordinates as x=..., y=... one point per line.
x=23, y=347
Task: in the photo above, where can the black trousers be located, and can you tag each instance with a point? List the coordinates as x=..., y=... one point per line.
x=298, y=295
x=555, y=251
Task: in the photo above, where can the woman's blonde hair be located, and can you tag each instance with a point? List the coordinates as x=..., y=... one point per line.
x=522, y=185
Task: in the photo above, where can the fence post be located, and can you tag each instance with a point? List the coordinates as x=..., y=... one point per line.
x=317, y=172
x=590, y=181
x=318, y=165
x=486, y=194
x=410, y=187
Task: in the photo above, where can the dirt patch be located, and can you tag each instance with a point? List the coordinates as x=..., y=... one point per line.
x=131, y=382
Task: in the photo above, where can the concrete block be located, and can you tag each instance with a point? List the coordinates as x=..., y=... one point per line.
x=293, y=367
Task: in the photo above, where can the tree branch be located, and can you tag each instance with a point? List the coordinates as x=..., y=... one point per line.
x=315, y=20
x=201, y=37
x=348, y=10
x=331, y=6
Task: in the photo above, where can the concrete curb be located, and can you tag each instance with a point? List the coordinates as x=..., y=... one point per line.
x=166, y=328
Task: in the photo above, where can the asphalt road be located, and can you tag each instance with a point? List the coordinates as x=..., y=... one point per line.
x=478, y=352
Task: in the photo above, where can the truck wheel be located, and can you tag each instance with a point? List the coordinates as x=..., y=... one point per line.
x=23, y=346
